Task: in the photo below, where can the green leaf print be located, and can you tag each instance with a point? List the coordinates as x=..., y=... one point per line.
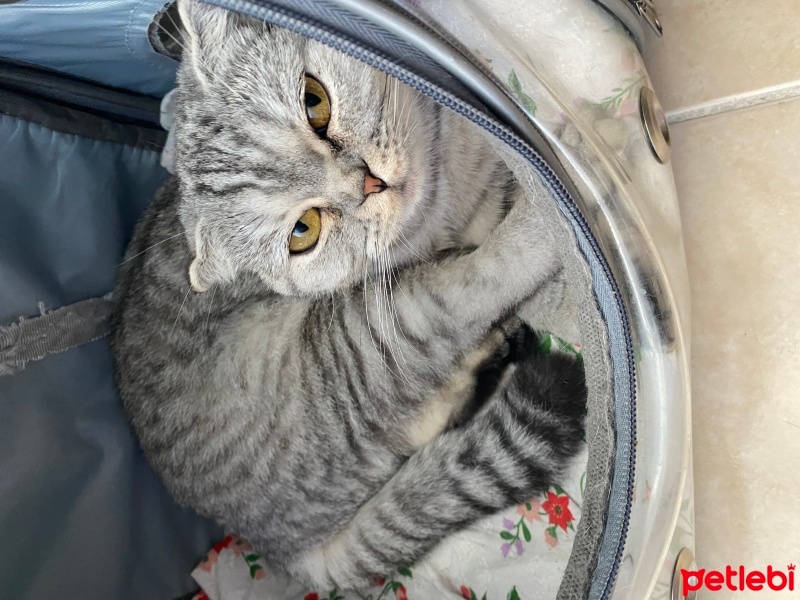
x=544, y=347
x=526, y=532
x=405, y=572
x=628, y=90
x=513, y=595
x=526, y=101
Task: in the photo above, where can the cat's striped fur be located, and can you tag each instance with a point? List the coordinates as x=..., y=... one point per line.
x=306, y=402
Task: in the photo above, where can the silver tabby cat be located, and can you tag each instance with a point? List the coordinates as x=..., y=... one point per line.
x=306, y=306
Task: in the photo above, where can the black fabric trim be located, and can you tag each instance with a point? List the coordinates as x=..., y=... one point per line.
x=121, y=106
x=76, y=122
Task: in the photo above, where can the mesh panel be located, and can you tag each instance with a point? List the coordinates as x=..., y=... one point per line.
x=577, y=313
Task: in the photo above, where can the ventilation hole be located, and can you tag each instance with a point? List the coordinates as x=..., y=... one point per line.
x=165, y=32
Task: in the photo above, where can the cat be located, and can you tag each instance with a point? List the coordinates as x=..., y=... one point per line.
x=306, y=308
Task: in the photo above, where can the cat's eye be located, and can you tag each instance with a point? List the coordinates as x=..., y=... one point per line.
x=318, y=105
x=306, y=232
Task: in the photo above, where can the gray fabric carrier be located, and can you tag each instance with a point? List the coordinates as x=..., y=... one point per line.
x=81, y=513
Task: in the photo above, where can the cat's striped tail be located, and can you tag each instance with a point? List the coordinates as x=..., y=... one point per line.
x=510, y=451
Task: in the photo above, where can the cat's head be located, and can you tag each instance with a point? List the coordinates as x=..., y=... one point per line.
x=295, y=162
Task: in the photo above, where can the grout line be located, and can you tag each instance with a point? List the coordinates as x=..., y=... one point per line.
x=767, y=95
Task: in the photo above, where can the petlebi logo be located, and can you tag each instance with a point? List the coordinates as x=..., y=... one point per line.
x=738, y=579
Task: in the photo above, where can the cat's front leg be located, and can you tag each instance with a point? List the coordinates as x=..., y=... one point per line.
x=463, y=296
x=512, y=450
x=468, y=388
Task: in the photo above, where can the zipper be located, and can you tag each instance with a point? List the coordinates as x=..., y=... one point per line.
x=647, y=12
x=299, y=23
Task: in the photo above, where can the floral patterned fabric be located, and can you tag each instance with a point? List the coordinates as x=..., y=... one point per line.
x=518, y=554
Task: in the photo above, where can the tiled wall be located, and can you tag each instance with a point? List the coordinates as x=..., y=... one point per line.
x=728, y=74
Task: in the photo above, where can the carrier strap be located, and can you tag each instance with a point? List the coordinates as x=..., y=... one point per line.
x=53, y=332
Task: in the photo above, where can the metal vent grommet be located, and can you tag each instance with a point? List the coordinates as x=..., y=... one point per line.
x=685, y=560
x=655, y=125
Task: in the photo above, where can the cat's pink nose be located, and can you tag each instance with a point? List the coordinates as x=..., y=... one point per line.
x=373, y=185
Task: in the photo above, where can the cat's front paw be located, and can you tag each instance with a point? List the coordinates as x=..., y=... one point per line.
x=332, y=567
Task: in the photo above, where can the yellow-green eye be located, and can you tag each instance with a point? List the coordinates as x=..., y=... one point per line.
x=318, y=106
x=306, y=232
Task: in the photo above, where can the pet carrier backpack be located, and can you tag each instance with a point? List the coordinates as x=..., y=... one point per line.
x=561, y=88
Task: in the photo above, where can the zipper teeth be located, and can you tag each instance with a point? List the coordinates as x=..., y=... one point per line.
x=285, y=18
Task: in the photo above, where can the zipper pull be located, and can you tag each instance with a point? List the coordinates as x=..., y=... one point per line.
x=648, y=12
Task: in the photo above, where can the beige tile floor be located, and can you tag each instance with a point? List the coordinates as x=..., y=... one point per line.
x=728, y=73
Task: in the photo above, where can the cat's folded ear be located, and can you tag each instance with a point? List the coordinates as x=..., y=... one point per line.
x=202, y=21
x=206, y=32
x=210, y=265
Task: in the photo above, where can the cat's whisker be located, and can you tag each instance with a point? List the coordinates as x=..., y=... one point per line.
x=333, y=312
x=413, y=128
x=386, y=333
x=384, y=310
x=210, y=304
x=406, y=114
x=396, y=325
x=366, y=302
x=180, y=310
x=403, y=117
x=414, y=252
x=130, y=258
x=379, y=304
x=387, y=86
x=400, y=287
x=403, y=369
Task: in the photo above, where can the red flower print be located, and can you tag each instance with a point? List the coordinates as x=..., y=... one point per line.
x=380, y=581
x=465, y=593
x=400, y=594
x=223, y=544
x=557, y=508
x=201, y=595
x=311, y=596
